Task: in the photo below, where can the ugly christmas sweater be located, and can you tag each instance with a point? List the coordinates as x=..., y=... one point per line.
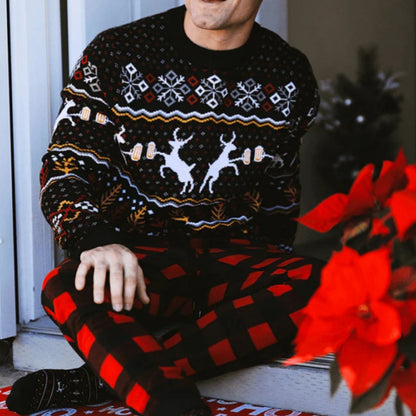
x=159, y=137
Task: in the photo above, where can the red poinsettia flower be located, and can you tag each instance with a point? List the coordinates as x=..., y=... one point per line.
x=404, y=379
x=364, y=196
x=411, y=178
x=340, y=207
x=378, y=227
x=391, y=178
x=351, y=309
x=403, y=209
x=363, y=364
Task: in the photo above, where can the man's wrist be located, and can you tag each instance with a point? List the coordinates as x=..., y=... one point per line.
x=101, y=235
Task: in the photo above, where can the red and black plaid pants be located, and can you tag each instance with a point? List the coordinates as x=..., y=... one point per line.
x=237, y=306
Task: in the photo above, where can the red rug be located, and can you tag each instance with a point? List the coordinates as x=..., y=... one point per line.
x=218, y=407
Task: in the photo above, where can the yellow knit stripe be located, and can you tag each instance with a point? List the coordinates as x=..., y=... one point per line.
x=60, y=146
x=198, y=120
x=78, y=94
x=216, y=225
x=182, y=201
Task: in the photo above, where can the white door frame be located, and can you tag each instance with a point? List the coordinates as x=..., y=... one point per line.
x=273, y=15
x=34, y=62
x=7, y=266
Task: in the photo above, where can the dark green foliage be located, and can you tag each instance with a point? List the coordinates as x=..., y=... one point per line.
x=359, y=120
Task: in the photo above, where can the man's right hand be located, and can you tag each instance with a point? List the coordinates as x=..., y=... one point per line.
x=120, y=265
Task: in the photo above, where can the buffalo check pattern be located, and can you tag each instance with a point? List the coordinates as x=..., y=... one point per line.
x=227, y=308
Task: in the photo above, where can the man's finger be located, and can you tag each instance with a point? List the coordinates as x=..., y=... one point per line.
x=80, y=275
x=100, y=273
x=141, y=287
x=130, y=285
x=116, y=286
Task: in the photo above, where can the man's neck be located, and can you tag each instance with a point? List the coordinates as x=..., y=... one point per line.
x=221, y=39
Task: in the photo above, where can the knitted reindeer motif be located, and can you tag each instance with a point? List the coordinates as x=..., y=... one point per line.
x=221, y=163
x=176, y=164
x=65, y=115
x=119, y=139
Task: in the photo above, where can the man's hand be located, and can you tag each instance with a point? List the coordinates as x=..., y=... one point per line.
x=125, y=275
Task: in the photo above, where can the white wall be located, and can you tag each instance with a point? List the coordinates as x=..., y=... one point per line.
x=7, y=274
x=33, y=27
x=273, y=15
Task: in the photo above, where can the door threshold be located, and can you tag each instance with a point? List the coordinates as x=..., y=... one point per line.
x=43, y=325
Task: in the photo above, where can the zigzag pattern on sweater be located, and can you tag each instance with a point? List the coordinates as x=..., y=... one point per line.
x=207, y=117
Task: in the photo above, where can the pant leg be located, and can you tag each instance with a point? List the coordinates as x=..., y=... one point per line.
x=250, y=301
x=120, y=347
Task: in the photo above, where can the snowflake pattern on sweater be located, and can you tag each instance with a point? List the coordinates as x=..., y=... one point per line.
x=157, y=135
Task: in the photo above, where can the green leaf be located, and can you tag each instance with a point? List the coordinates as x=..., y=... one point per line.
x=371, y=398
x=398, y=405
x=335, y=375
x=407, y=345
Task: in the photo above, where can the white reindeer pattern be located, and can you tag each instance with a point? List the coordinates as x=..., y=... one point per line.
x=221, y=163
x=176, y=164
x=119, y=139
x=65, y=115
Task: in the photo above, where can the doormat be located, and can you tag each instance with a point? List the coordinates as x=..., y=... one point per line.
x=115, y=408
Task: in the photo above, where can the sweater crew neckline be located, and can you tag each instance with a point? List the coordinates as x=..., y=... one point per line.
x=201, y=56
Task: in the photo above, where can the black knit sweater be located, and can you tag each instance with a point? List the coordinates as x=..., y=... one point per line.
x=158, y=136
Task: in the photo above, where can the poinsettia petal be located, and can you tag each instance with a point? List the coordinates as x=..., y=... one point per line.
x=392, y=177
x=411, y=307
x=405, y=382
x=382, y=327
x=403, y=209
x=341, y=288
x=360, y=197
x=385, y=167
x=407, y=311
x=319, y=337
x=378, y=227
x=375, y=272
x=411, y=178
x=363, y=364
x=325, y=215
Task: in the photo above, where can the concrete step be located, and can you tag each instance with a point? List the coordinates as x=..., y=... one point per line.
x=303, y=387
x=40, y=344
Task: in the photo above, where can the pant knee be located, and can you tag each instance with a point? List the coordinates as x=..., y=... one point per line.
x=59, y=281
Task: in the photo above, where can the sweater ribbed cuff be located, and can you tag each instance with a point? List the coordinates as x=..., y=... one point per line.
x=101, y=235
